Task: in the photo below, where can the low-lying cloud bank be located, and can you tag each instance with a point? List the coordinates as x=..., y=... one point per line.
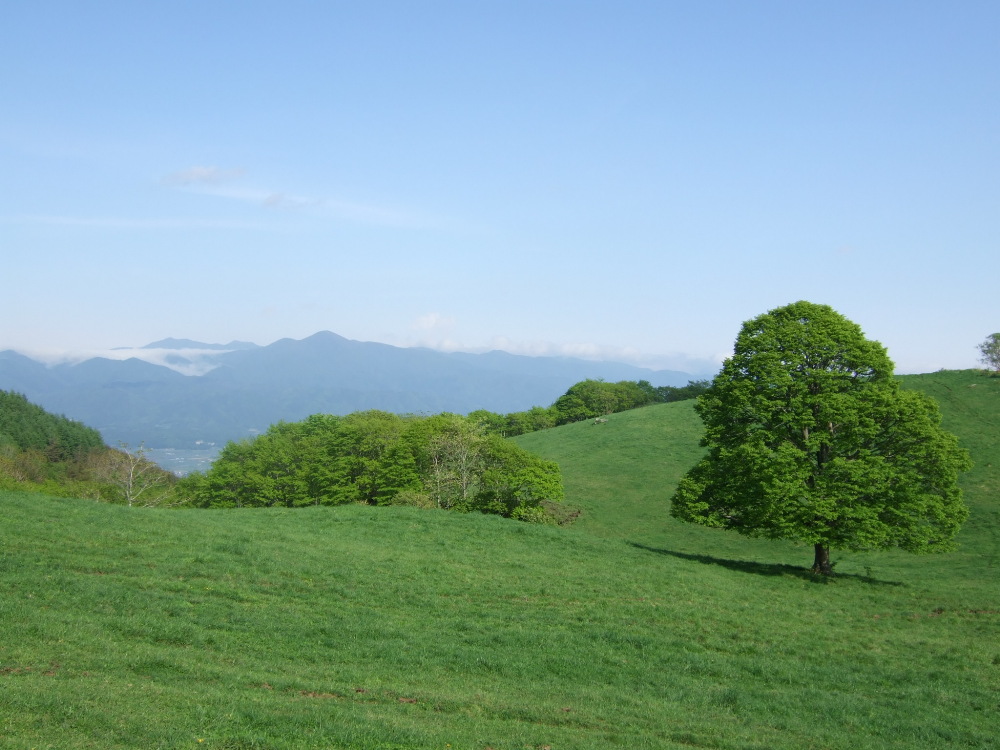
x=191, y=362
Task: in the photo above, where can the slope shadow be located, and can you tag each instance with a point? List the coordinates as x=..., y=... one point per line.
x=765, y=569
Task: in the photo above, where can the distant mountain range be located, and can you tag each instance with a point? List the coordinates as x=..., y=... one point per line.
x=245, y=388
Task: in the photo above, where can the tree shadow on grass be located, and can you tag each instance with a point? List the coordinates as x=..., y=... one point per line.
x=767, y=569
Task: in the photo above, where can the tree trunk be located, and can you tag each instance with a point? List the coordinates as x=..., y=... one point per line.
x=821, y=564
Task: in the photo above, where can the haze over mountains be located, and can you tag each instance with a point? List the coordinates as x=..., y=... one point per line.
x=199, y=393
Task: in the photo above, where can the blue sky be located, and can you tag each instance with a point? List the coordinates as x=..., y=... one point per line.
x=623, y=180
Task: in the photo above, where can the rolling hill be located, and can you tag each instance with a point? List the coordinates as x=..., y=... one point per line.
x=361, y=627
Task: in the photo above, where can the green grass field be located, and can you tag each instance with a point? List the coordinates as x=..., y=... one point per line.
x=359, y=627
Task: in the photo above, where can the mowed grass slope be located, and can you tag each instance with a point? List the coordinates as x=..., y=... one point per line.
x=357, y=627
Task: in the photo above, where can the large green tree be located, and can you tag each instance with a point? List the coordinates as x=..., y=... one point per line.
x=810, y=438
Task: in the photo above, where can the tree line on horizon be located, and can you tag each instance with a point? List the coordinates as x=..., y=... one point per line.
x=588, y=399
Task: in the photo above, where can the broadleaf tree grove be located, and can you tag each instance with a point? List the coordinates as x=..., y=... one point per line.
x=373, y=457
x=810, y=438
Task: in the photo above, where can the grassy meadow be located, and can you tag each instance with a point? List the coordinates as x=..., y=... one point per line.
x=361, y=627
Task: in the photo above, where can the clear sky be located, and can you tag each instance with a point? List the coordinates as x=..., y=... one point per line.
x=625, y=180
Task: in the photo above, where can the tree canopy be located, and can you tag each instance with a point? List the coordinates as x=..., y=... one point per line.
x=377, y=458
x=810, y=438
x=27, y=426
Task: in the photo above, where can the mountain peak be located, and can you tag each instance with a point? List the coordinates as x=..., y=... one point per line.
x=325, y=336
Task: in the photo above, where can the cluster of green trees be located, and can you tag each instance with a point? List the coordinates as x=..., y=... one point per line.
x=587, y=399
x=374, y=457
x=41, y=451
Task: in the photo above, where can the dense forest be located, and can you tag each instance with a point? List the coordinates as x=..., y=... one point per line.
x=43, y=449
x=27, y=427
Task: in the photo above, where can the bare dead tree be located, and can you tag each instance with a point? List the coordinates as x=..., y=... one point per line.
x=136, y=479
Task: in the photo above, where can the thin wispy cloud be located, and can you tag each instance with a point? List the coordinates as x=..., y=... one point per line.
x=432, y=321
x=607, y=353
x=202, y=176
x=434, y=332
x=122, y=222
x=579, y=350
x=225, y=183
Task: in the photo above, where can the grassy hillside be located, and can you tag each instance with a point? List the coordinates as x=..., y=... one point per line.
x=970, y=405
x=360, y=627
x=621, y=475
